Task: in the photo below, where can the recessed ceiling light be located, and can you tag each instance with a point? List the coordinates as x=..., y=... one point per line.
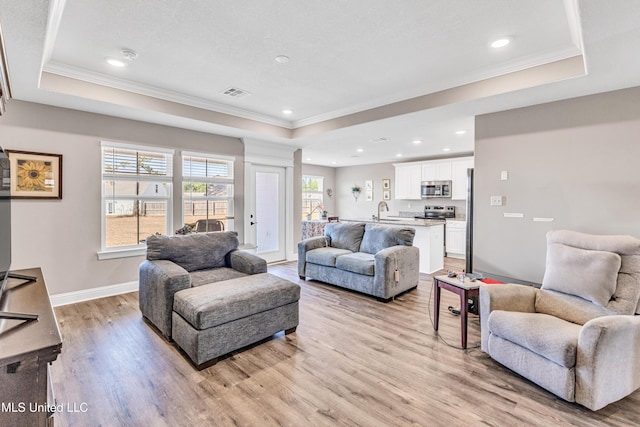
x=417, y=141
x=461, y=132
x=399, y=155
x=287, y=112
x=359, y=150
x=282, y=59
x=308, y=158
x=446, y=149
x=115, y=62
x=333, y=163
x=501, y=42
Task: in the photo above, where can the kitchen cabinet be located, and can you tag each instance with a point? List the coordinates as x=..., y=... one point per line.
x=407, y=182
x=456, y=239
x=430, y=242
x=436, y=171
x=459, y=177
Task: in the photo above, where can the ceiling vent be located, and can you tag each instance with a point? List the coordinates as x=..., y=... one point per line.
x=234, y=92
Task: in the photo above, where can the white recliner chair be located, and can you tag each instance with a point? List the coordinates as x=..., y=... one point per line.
x=578, y=336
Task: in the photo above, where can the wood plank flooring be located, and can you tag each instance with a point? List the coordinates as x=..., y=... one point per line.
x=353, y=361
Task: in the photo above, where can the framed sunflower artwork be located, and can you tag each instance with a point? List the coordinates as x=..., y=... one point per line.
x=35, y=175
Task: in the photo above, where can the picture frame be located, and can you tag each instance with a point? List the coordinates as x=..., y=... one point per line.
x=386, y=184
x=386, y=194
x=368, y=184
x=369, y=195
x=35, y=175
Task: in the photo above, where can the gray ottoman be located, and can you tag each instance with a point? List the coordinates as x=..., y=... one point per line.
x=215, y=319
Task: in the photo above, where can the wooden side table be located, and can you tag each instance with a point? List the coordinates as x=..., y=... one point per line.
x=466, y=290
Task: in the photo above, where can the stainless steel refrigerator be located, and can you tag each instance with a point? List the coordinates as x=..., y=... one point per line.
x=469, y=242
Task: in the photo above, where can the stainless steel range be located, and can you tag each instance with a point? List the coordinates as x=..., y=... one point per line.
x=438, y=212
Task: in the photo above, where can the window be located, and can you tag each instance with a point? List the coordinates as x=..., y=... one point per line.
x=312, y=206
x=136, y=194
x=207, y=192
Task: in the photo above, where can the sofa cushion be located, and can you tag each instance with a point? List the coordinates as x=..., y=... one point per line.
x=326, y=256
x=345, y=235
x=222, y=302
x=359, y=262
x=378, y=237
x=194, y=251
x=548, y=336
x=589, y=274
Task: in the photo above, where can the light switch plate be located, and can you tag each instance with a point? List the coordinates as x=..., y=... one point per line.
x=504, y=175
x=497, y=201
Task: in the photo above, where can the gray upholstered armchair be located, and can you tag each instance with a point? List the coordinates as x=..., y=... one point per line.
x=578, y=336
x=175, y=263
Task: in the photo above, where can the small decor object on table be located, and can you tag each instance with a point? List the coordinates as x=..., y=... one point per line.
x=324, y=214
x=35, y=175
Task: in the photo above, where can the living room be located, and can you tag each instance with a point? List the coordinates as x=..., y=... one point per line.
x=570, y=152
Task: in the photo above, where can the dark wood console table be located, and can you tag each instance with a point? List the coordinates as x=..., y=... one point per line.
x=26, y=350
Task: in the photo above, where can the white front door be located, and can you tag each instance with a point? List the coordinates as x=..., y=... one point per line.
x=267, y=213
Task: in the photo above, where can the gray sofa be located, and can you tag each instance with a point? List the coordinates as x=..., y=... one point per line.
x=362, y=257
x=181, y=262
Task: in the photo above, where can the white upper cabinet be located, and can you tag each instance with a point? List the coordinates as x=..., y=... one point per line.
x=436, y=171
x=408, y=180
x=459, y=177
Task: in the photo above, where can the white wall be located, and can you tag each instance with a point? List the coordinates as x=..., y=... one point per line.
x=575, y=161
x=63, y=236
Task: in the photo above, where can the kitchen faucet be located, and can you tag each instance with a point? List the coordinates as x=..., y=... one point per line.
x=381, y=205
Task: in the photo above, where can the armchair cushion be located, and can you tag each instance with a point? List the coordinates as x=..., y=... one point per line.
x=345, y=235
x=194, y=251
x=589, y=274
x=378, y=237
x=531, y=331
x=360, y=262
x=326, y=256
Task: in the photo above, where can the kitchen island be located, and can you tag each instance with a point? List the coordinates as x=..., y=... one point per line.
x=429, y=238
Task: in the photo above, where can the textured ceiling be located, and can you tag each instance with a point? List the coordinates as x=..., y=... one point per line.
x=358, y=70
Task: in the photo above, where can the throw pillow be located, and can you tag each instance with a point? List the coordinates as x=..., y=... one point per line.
x=378, y=237
x=591, y=275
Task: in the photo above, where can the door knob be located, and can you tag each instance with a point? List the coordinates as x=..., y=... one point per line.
x=253, y=223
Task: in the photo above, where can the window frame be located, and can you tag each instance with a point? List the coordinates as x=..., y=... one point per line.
x=230, y=181
x=140, y=248
x=320, y=192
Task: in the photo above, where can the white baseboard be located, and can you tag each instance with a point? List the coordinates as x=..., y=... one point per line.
x=93, y=293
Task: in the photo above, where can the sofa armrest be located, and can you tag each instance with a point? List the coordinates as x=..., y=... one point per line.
x=406, y=259
x=606, y=364
x=507, y=297
x=158, y=282
x=246, y=262
x=305, y=246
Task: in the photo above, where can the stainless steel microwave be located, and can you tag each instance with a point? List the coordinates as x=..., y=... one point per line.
x=431, y=189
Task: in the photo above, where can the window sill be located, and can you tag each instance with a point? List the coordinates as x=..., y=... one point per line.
x=121, y=253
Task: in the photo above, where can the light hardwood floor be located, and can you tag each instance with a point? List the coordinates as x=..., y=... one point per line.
x=353, y=361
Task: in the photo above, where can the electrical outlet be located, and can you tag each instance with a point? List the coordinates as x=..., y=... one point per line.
x=497, y=200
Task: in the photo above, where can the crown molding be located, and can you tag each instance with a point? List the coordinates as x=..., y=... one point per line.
x=77, y=73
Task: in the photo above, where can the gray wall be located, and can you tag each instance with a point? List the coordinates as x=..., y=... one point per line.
x=575, y=161
x=63, y=236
